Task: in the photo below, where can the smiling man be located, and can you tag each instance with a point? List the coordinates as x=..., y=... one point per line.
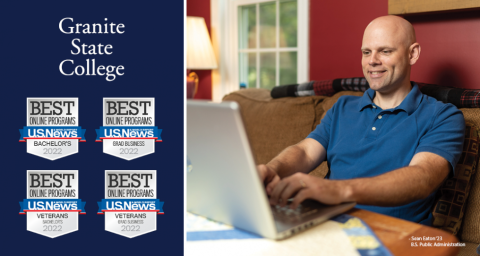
x=389, y=150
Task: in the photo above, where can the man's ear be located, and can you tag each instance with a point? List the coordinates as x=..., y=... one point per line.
x=414, y=53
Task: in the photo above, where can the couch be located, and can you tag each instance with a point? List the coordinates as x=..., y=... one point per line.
x=274, y=124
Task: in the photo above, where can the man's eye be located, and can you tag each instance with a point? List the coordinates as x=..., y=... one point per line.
x=386, y=52
x=366, y=53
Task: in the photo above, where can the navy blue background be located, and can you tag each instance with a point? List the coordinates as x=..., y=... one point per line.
x=151, y=50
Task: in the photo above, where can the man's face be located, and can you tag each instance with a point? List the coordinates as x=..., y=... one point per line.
x=385, y=59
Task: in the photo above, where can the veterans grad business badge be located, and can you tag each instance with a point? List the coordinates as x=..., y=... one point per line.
x=52, y=130
x=52, y=205
x=128, y=129
x=130, y=205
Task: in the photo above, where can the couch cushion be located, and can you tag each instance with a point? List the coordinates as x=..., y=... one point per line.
x=469, y=249
x=471, y=221
x=274, y=124
x=449, y=209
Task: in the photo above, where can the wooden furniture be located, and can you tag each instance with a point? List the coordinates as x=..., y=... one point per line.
x=399, y=7
x=396, y=234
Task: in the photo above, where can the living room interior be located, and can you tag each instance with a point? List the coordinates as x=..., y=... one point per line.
x=326, y=52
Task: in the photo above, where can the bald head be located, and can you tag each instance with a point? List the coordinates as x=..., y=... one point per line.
x=389, y=49
x=399, y=29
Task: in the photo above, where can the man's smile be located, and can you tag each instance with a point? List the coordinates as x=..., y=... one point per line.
x=376, y=74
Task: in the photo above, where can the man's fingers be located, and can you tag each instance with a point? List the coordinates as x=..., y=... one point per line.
x=270, y=176
x=293, y=186
x=267, y=175
x=277, y=190
x=262, y=171
x=300, y=197
x=272, y=184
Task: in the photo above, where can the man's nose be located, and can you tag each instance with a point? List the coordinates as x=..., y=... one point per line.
x=374, y=60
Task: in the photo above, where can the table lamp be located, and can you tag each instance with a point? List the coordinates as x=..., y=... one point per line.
x=199, y=52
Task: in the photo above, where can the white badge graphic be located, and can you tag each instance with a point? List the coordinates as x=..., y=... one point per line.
x=130, y=205
x=52, y=205
x=128, y=129
x=52, y=130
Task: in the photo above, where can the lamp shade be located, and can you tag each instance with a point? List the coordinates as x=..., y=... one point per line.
x=199, y=47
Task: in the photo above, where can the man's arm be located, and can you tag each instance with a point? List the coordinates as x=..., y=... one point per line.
x=301, y=157
x=425, y=174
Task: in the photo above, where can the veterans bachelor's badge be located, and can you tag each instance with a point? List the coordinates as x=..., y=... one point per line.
x=52, y=205
x=52, y=130
x=130, y=205
x=128, y=129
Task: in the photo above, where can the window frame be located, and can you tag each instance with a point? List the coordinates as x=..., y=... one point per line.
x=224, y=24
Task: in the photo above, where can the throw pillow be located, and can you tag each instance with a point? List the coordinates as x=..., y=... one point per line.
x=450, y=207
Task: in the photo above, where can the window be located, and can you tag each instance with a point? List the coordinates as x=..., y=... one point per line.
x=260, y=43
x=267, y=43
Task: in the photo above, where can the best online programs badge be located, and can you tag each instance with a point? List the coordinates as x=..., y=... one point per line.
x=130, y=205
x=52, y=130
x=128, y=129
x=52, y=205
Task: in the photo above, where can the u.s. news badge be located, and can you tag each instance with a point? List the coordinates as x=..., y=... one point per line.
x=52, y=205
x=52, y=130
x=128, y=129
x=130, y=205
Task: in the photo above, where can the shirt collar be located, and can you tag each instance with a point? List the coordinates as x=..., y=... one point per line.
x=409, y=104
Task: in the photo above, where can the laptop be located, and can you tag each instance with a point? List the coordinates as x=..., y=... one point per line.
x=223, y=183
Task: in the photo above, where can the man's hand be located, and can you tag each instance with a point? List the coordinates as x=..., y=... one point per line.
x=422, y=177
x=301, y=157
x=268, y=176
x=303, y=186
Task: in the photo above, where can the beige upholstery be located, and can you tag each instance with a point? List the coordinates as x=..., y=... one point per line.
x=470, y=249
x=273, y=125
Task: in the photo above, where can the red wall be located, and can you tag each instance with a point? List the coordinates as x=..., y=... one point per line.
x=450, y=53
x=450, y=42
x=336, y=32
x=201, y=8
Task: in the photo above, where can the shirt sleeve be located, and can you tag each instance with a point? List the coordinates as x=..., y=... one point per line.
x=322, y=131
x=445, y=136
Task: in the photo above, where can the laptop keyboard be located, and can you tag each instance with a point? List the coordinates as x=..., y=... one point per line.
x=300, y=212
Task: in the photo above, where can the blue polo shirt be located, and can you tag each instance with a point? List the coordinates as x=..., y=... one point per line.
x=363, y=140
